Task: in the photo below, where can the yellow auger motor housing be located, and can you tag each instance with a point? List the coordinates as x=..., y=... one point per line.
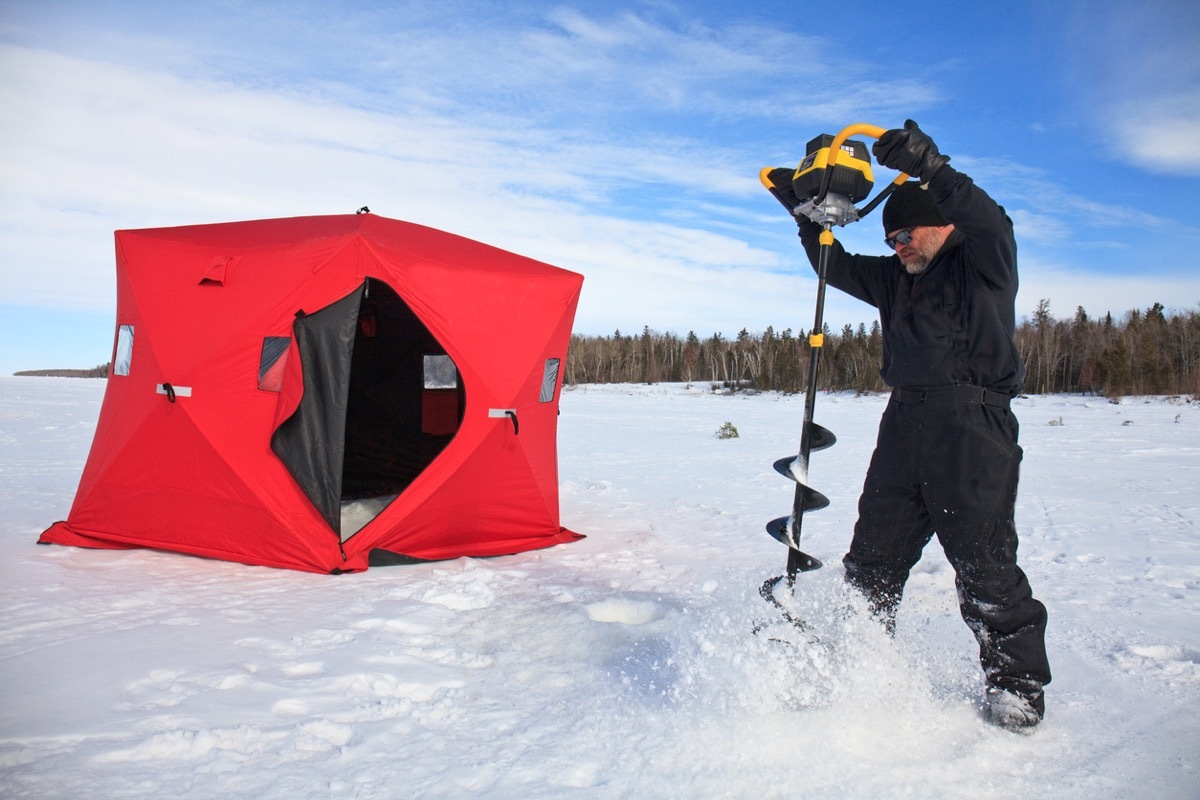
x=851, y=175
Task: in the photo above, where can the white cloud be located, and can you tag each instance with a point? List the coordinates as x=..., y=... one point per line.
x=1138, y=68
x=624, y=146
x=122, y=148
x=1162, y=133
x=1101, y=294
x=1030, y=226
x=1046, y=210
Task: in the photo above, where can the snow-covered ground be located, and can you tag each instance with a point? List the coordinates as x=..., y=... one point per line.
x=623, y=665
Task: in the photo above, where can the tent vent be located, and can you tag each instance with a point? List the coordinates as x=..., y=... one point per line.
x=218, y=272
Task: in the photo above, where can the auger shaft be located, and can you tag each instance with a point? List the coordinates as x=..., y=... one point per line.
x=812, y=437
x=798, y=561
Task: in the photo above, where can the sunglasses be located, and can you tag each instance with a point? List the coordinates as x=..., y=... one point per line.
x=903, y=237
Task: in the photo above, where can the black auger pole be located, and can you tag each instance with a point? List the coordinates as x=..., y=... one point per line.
x=799, y=561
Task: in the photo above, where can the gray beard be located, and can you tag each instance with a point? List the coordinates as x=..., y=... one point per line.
x=918, y=266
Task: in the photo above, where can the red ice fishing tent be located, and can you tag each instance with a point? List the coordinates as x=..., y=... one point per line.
x=267, y=374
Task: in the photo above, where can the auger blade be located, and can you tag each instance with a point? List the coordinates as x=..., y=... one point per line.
x=808, y=499
x=784, y=467
x=781, y=530
x=819, y=437
x=775, y=630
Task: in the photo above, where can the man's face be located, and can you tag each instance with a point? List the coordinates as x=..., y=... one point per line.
x=926, y=242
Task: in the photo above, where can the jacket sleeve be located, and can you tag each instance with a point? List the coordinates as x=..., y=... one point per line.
x=862, y=277
x=990, y=246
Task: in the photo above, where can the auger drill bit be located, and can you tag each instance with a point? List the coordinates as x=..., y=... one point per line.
x=813, y=437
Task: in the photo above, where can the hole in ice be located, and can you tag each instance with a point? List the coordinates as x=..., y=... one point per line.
x=628, y=612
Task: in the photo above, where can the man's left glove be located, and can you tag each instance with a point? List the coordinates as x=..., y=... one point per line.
x=778, y=181
x=909, y=150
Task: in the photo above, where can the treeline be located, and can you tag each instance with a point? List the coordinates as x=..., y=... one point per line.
x=1145, y=352
x=100, y=371
x=767, y=361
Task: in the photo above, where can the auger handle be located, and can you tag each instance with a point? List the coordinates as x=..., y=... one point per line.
x=863, y=128
x=835, y=148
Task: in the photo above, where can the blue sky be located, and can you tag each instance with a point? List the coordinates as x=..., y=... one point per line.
x=621, y=140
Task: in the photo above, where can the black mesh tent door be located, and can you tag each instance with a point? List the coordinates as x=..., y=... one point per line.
x=396, y=424
x=312, y=442
x=381, y=401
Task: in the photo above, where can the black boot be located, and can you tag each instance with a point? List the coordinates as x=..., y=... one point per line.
x=1017, y=706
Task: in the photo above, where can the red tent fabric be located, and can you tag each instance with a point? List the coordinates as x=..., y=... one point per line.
x=265, y=373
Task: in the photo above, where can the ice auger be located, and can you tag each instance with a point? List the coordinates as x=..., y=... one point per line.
x=834, y=175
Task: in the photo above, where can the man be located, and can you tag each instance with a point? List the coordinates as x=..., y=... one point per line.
x=947, y=459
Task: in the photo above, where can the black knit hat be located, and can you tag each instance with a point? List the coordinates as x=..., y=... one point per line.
x=910, y=205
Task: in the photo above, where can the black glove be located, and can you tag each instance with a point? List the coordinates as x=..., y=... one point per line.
x=909, y=150
x=779, y=183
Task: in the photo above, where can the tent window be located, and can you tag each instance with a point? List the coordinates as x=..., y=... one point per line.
x=272, y=362
x=440, y=373
x=124, y=355
x=440, y=407
x=549, y=380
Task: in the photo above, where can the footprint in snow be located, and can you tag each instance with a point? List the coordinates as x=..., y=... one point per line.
x=1175, y=662
x=1166, y=652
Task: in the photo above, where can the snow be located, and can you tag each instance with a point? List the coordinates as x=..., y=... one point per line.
x=623, y=665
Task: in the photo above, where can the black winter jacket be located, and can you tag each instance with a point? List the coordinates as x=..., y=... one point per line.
x=955, y=322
